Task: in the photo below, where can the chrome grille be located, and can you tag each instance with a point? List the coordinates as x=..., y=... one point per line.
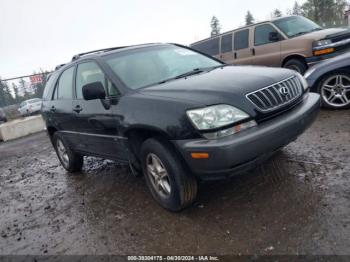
x=277, y=95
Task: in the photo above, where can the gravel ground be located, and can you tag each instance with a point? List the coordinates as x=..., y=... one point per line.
x=296, y=203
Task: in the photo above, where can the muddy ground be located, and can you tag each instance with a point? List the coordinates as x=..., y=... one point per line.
x=297, y=203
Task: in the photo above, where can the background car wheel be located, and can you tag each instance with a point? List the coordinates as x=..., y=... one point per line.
x=297, y=65
x=171, y=185
x=71, y=161
x=335, y=90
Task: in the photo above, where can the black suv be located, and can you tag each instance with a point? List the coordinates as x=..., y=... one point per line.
x=174, y=114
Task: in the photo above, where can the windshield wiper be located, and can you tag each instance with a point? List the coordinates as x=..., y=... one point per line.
x=190, y=73
x=306, y=32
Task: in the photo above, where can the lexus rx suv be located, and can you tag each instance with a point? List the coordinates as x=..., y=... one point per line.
x=174, y=114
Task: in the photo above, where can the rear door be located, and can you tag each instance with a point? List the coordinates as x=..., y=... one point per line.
x=60, y=107
x=266, y=51
x=95, y=124
x=242, y=50
x=226, y=43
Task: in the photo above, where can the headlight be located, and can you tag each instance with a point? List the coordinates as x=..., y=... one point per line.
x=230, y=131
x=303, y=81
x=321, y=43
x=215, y=116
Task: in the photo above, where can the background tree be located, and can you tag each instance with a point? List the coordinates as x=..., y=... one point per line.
x=325, y=12
x=276, y=13
x=249, y=19
x=296, y=9
x=6, y=97
x=215, y=26
x=15, y=91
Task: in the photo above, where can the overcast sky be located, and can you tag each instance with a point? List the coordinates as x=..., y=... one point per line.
x=38, y=34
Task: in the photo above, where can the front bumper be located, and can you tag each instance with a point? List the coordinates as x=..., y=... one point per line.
x=245, y=150
x=317, y=59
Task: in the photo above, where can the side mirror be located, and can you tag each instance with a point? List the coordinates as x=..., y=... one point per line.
x=93, y=91
x=274, y=37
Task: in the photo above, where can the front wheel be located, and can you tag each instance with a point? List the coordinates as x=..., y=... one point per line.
x=335, y=90
x=171, y=185
x=70, y=160
x=296, y=65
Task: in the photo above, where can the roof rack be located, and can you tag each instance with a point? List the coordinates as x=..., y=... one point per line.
x=59, y=66
x=96, y=51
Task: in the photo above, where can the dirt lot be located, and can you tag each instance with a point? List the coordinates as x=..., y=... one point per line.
x=297, y=203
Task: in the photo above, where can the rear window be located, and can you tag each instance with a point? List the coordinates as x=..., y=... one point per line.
x=47, y=95
x=65, y=84
x=242, y=39
x=226, y=43
x=209, y=47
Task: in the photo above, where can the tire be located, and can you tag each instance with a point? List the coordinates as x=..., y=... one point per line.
x=328, y=85
x=182, y=185
x=73, y=162
x=297, y=65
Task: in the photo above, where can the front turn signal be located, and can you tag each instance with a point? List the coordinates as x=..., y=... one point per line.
x=324, y=51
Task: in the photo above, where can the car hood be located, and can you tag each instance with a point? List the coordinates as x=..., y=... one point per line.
x=324, y=34
x=227, y=85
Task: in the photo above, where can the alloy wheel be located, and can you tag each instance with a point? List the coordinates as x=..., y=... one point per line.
x=158, y=175
x=62, y=152
x=335, y=91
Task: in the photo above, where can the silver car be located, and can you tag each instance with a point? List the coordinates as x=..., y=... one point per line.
x=30, y=107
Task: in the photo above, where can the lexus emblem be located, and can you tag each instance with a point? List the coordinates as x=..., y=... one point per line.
x=283, y=90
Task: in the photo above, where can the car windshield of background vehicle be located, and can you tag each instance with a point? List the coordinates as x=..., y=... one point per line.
x=296, y=25
x=147, y=66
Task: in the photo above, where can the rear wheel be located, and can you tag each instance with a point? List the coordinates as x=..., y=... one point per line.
x=296, y=65
x=170, y=183
x=70, y=160
x=335, y=90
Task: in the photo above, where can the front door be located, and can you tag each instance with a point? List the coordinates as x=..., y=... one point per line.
x=267, y=50
x=97, y=125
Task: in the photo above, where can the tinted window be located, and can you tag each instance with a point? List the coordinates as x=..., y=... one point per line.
x=90, y=72
x=49, y=87
x=262, y=34
x=65, y=88
x=226, y=43
x=242, y=39
x=210, y=47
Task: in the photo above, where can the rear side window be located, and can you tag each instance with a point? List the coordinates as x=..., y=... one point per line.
x=242, y=39
x=262, y=34
x=49, y=86
x=226, y=43
x=209, y=47
x=65, y=84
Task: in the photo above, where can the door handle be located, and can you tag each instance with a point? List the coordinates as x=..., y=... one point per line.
x=77, y=109
x=53, y=109
x=253, y=51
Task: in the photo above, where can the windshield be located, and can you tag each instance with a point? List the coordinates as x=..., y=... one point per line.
x=296, y=25
x=146, y=66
